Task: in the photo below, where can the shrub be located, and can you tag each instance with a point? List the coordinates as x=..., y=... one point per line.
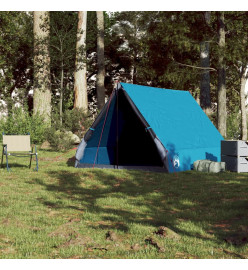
x=21, y=122
x=59, y=140
x=74, y=120
x=234, y=125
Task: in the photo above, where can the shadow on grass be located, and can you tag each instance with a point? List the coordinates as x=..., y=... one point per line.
x=71, y=162
x=215, y=203
x=16, y=165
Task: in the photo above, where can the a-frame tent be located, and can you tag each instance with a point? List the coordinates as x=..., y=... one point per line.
x=149, y=128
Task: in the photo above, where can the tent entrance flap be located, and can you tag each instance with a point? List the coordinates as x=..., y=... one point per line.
x=125, y=140
x=135, y=145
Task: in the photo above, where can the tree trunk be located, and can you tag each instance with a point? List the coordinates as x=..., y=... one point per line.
x=100, y=60
x=221, y=76
x=242, y=106
x=61, y=94
x=133, y=74
x=42, y=80
x=205, y=100
x=80, y=82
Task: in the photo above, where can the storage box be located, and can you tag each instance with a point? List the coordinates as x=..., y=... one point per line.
x=235, y=164
x=234, y=148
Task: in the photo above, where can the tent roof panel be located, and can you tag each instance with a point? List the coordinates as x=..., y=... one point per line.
x=174, y=116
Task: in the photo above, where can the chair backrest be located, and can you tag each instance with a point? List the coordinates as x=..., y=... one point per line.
x=17, y=142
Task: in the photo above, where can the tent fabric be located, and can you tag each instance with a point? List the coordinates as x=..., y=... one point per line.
x=150, y=127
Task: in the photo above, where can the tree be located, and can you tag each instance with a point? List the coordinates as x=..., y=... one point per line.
x=100, y=60
x=80, y=81
x=237, y=47
x=243, y=79
x=63, y=51
x=221, y=76
x=205, y=100
x=42, y=80
x=16, y=57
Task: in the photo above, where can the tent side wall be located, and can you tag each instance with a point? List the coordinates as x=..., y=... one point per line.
x=88, y=151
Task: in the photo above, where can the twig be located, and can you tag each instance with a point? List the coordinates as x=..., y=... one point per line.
x=203, y=68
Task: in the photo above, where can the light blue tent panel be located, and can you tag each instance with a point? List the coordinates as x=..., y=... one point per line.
x=175, y=117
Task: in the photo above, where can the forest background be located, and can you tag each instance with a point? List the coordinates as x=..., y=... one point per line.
x=204, y=52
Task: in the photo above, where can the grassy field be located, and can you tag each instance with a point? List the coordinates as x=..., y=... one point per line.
x=63, y=212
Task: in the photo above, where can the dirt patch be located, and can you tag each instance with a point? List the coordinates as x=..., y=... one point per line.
x=5, y=239
x=9, y=250
x=167, y=233
x=182, y=255
x=6, y=221
x=119, y=181
x=224, y=226
x=112, y=236
x=13, y=222
x=154, y=242
x=135, y=247
x=240, y=256
x=97, y=248
x=66, y=230
x=76, y=240
x=237, y=239
x=53, y=159
x=70, y=234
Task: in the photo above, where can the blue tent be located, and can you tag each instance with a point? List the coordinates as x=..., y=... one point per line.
x=149, y=128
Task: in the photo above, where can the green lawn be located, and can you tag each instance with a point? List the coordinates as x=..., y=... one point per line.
x=63, y=212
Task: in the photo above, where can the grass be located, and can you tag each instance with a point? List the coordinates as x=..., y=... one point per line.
x=63, y=212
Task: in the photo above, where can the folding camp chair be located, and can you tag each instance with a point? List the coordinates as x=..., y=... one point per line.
x=19, y=146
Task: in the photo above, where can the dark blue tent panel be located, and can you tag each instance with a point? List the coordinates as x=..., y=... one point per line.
x=149, y=127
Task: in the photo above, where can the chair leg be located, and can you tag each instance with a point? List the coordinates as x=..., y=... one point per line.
x=7, y=162
x=36, y=157
x=31, y=156
x=2, y=159
x=37, y=165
